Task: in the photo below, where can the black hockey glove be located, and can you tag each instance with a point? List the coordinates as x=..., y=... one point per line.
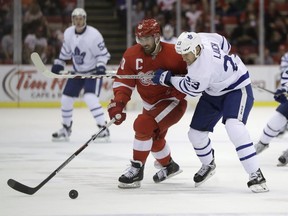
x=162, y=77
x=58, y=66
x=280, y=94
x=100, y=70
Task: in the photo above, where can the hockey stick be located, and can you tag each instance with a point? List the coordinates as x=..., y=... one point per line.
x=37, y=61
x=31, y=190
x=262, y=88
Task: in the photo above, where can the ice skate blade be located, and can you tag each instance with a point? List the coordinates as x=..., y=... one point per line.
x=197, y=184
x=136, y=184
x=170, y=176
x=259, y=188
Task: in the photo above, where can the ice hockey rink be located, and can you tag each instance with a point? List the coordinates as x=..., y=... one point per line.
x=28, y=155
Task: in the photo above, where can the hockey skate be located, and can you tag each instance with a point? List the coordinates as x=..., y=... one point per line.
x=166, y=172
x=260, y=147
x=63, y=134
x=103, y=137
x=132, y=176
x=257, y=183
x=205, y=172
x=283, y=159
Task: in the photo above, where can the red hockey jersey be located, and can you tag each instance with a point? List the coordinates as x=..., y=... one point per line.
x=135, y=61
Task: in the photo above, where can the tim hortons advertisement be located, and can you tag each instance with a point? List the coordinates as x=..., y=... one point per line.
x=24, y=86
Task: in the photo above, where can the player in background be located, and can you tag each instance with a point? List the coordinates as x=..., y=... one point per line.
x=85, y=46
x=168, y=34
x=162, y=106
x=280, y=117
x=223, y=82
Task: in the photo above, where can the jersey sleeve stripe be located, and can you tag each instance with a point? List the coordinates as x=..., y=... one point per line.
x=238, y=82
x=185, y=89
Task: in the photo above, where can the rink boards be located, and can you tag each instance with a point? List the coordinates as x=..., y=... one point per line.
x=24, y=86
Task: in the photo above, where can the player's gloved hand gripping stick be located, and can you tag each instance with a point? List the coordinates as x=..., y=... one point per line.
x=280, y=94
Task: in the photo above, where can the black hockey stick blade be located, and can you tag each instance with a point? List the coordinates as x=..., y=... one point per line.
x=20, y=187
x=31, y=190
x=26, y=189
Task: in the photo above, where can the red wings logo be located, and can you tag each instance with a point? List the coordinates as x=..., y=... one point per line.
x=146, y=81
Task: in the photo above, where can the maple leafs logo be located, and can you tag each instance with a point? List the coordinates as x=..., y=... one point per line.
x=190, y=36
x=78, y=56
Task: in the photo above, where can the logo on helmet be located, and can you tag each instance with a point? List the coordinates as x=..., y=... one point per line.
x=190, y=36
x=147, y=27
x=188, y=42
x=186, y=49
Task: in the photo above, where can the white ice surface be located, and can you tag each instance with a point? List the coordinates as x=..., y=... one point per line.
x=28, y=155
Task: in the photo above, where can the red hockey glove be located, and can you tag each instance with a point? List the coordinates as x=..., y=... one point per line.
x=115, y=108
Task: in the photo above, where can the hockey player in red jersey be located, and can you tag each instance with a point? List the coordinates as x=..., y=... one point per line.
x=162, y=106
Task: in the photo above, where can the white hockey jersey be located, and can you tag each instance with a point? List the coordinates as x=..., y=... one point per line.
x=87, y=49
x=214, y=71
x=171, y=40
x=284, y=69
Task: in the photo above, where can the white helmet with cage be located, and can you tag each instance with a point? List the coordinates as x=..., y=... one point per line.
x=79, y=12
x=187, y=42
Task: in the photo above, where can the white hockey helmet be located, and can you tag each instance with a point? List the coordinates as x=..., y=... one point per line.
x=168, y=31
x=187, y=42
x=79, y=12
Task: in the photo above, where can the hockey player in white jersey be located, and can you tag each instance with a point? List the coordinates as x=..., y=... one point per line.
x=168, y=34
x=280, y=117
x=223, y=82
x=85, y=46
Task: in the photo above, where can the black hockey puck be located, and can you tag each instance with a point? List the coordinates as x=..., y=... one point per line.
x=73, y=194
